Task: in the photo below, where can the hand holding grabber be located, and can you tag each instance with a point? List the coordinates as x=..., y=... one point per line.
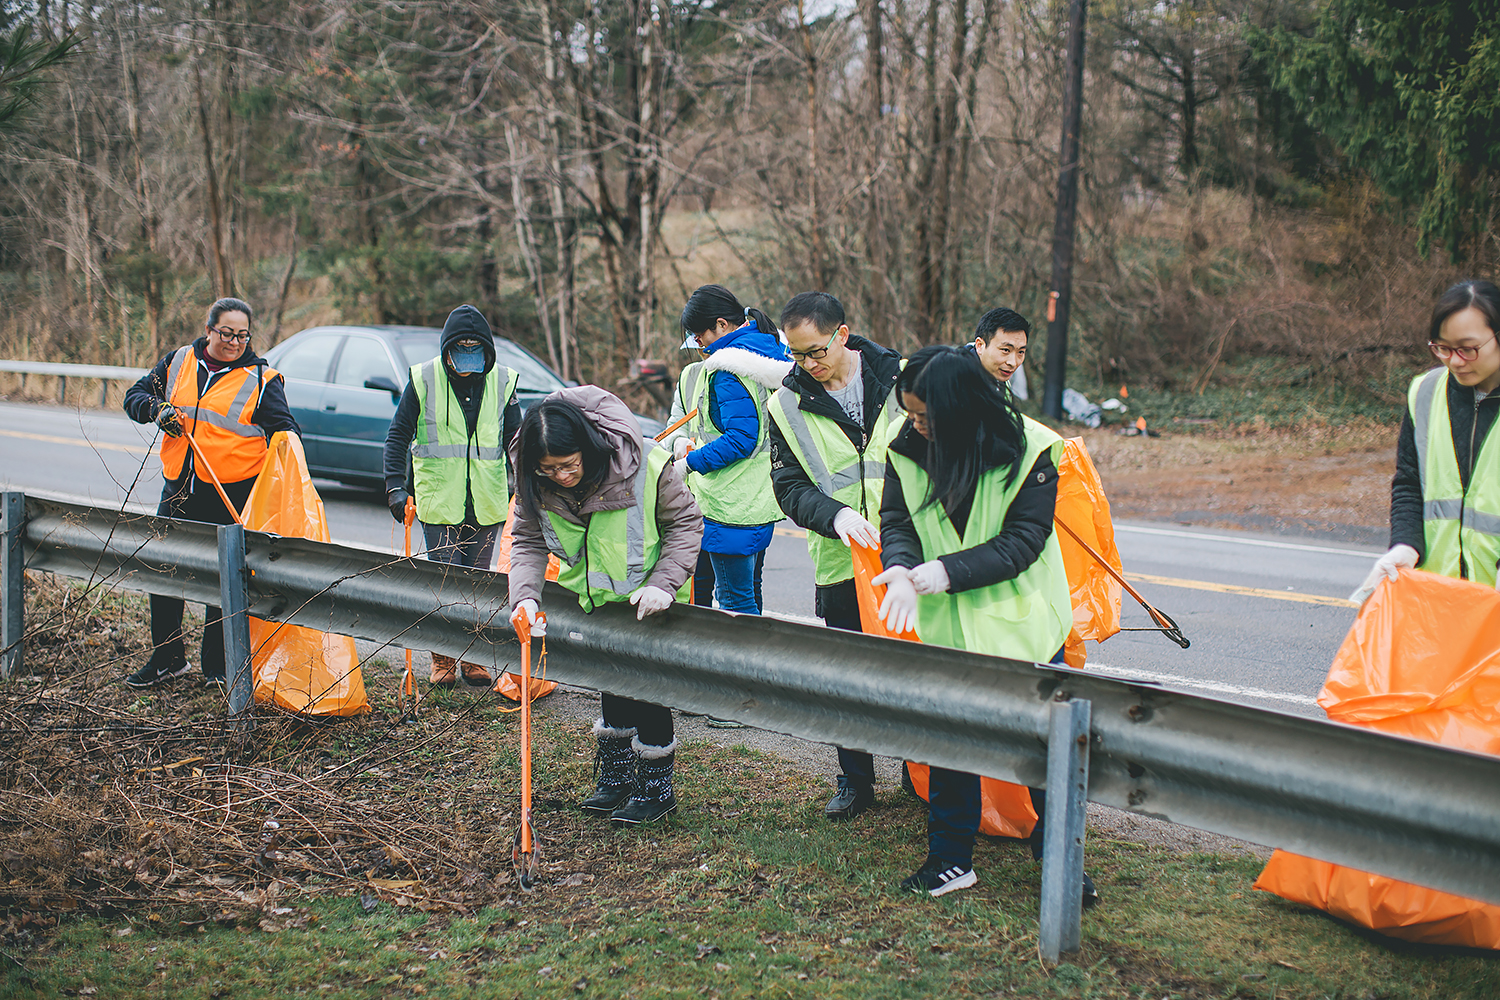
x=528, y=622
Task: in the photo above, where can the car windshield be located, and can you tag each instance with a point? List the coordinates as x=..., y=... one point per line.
x=533, y=375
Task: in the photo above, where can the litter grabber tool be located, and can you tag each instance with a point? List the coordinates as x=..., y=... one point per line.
x=409, y=682
x=689, y=415
x=214, y=478
x=1164, y=623
x=525, y=853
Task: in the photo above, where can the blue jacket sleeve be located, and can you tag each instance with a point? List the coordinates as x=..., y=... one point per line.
x=733, y=412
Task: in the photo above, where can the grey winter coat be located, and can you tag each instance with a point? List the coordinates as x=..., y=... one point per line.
x=677, y=515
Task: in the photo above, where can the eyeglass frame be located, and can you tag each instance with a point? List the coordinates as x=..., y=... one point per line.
x=1445, y=351
x=231, y=337
x=816, y=354
x=561, y=470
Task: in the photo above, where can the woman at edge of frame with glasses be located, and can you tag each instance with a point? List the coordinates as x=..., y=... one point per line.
x=611, y=506
x=218, y=391
x=971, y=560
x=1445, y=496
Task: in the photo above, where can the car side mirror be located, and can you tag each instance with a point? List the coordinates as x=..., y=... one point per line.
x=381, y=382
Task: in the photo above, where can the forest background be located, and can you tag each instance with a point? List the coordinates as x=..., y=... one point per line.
x=1272, y=191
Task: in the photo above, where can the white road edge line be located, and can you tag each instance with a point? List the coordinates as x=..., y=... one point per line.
x=1260, y=542
x=1126, y=673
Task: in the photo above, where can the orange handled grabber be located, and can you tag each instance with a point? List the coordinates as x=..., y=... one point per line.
x=689, y=415
x=214, y=478
x=526, y=853
x=409, y=683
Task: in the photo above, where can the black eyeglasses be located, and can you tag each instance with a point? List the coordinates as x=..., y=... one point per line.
x=229, y=335
x=816, y=354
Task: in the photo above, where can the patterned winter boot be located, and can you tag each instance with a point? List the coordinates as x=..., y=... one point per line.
x=653, y=798
x=614, y=770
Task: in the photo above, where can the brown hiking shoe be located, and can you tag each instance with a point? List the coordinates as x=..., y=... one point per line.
x=475, y=674
x=444, y=671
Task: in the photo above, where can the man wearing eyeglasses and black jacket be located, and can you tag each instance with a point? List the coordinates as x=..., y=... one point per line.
x=830, y=425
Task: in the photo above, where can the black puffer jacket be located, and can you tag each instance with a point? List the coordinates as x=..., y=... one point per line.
x=1471, y=424
x=1023, y=534
x=799, y=497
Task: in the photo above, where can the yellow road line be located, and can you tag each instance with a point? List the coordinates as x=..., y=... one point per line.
x=1229, y=588
x=132, y=449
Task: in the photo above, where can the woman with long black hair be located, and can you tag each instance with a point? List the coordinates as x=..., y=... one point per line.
x=609, y=504
x=970, y=558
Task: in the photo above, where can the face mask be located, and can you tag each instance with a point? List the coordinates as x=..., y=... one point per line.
x=466, y=359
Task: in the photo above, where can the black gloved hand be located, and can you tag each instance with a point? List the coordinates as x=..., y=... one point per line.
x=166, y=419
x=396, y=501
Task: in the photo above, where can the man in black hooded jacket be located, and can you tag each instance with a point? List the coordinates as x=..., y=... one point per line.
x=447, y=448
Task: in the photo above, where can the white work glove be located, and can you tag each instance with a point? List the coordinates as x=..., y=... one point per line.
x=681, y=445
x=531, y=610
x=930, y=578
x=682, y=468
x=1386, y=567
x=851, y=528
x=649, y=601
x=899, y=609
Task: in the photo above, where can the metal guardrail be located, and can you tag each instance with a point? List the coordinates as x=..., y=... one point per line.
x=105, y=374
x=1408, y=810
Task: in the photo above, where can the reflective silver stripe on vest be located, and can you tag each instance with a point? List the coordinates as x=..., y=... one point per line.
x=175, y=370
x=635, y=538
x=759, y=394
x=850, y=475
x=1421, y=419
x=817, y=469
x=456, y=451
x=230, y=421
x=1481, y=523
x=1442, y=510
x=429, y=416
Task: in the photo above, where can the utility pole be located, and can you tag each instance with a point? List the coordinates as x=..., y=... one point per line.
x=1061, y=295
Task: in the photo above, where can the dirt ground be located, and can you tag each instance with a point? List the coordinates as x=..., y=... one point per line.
x=1318, y=481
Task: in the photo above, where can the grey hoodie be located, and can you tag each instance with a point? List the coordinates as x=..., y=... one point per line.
x=677, y=515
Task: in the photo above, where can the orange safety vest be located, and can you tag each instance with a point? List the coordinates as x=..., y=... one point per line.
x=219, y=420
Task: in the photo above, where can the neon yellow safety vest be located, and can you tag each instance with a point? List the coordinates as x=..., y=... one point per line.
x=1461, y=527
x=445, y=460
x=740, y=493
x=1027, y=618
x=613, y=555
x=853, y=476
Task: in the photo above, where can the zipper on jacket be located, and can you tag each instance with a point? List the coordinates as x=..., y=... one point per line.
x=1463, y=562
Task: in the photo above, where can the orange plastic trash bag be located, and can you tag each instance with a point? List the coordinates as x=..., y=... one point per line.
x=300, y=669
x=509, y=685
x=1083, y=507
x=1005, y=808
x=1421, y=661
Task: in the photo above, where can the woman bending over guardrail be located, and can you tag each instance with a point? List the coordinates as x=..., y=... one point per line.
x=613, y=509
x=970, y=559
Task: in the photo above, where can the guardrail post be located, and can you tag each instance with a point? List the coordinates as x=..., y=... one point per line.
x=12, y=582
x=62, y=390
x=103, y=393
x=233, y=604
x=1062, y=839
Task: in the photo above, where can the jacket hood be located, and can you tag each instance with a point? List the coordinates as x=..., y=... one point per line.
x=617, y=425
x=466, y=321
x=246, y=360
x=767, y=369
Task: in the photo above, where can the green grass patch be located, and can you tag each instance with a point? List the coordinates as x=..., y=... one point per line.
x=746, y=892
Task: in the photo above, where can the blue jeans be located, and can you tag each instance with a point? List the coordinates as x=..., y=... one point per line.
x=737, y=581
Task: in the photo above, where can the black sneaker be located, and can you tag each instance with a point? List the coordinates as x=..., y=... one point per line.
x=1090, y=894
x=215, y=680
x=849, y=801
x=936, y=878
x=153, y=673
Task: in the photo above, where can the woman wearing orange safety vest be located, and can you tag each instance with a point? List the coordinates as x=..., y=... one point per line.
x=222, y=394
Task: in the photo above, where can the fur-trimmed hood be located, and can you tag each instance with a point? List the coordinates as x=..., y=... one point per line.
x=769, y=372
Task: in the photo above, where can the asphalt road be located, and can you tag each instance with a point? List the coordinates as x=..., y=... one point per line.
x=1265, y=614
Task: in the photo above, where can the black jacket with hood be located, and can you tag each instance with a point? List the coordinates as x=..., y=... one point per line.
x=143, y=399
x=1471, y=423
x=466, y=390
x=1023, y=533
x=799, y=497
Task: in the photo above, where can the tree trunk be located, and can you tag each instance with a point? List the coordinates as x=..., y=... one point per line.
x=221, y=264
x=526, y=239
x=819, y=267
